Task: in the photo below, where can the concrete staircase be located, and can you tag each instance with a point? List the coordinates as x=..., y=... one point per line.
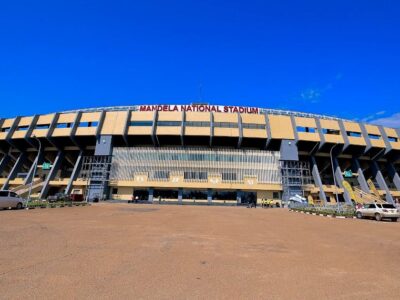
x=23, y=190
x=363, y=197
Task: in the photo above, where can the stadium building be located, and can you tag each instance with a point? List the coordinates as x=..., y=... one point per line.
x=199, y=153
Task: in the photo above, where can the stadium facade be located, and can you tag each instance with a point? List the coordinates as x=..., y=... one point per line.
x=199, y=153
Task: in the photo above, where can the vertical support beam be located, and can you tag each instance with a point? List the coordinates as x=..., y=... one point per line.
x=126, y=129
x=180, y=192
x=366, y=138
x=340, y=179
x=75, y=128
x=240, y=127
x=211, y=128
x=151, y=192
x=385, y=140
x=394, y=176
x=14, y=171
x=209, y=196
x=344, y=135
x=52, y=174
x=154, y=129
x=376, y=172
x=317, y=179
x=294, y=127
x=28, y=135
x=75, y=173
x=52, y=126
x=356, y=168
x=4, y=162
x=38, y=160
x=183, y=127
x=101, y=123
x=268, y=128
x=320, y=133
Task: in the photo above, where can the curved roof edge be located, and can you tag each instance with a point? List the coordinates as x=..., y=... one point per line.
x=260, y=110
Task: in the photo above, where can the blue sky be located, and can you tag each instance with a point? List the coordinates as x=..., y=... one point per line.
x=329, y=57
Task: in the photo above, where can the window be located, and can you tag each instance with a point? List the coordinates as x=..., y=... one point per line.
x=169, y=123
x=225, y=125
x=141, y=123
x=306, y=129
x=43, y=126
x=22, y=128
x=195, y=175
x=371, y=206
x=160, y=175
x=14, y=195
x=5, y=129
x=275, y=195
x=330, y=131
x=353, y=134
x=88, y=124
x=374, y=136
x=115, y=191
x=197, y=124
x=3, y=194
x=229, y=176
x=253, y=126
x=393, y=139
x=64, y=125
x=391, y=206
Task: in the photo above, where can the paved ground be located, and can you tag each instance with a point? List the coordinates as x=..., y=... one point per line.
x=163, y=252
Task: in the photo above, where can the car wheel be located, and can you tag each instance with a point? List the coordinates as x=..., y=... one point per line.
x=378, y=217
x=359, y=215
x=395, y=219
x=19, y=205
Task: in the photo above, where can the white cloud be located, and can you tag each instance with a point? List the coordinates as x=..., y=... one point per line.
x=391, y=121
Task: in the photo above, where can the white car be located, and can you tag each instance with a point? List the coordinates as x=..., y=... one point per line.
x=378, y=211
x=10, y=199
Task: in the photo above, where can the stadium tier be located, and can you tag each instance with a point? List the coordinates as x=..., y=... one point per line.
x=199, y=153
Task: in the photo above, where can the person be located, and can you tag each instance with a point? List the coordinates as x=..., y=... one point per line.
x=159, y=199
x=263, y=203
x=136, y=199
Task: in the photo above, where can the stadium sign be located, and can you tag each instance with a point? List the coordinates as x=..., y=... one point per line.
x=201, y=108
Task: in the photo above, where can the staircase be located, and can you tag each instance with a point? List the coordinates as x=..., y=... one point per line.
x=23, y=190
x=363, y=197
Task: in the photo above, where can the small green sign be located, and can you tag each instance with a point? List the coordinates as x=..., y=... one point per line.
x=348, y=174
x=46, y=166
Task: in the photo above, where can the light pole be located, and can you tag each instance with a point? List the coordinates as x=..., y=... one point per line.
x=333, y=173
x=35, y=167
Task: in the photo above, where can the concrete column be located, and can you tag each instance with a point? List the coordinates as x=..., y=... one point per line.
x=151, y=195
x=376, y=172
x=180, y=192
x=75, y=173
x=4, y=162
x=339, y=180
x=209, y=196
x=38, y=160
x=14, y=171
x=394, y=176
x=317, y=179
x=239, y=197
x=360, y=178
x=52, y=174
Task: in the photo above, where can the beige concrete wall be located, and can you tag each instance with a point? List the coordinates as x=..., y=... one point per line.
x=229, y=132
x=281, y=127
x=305, y=122
x=142, y=116
x=66, y=118
x=90, y=117
x=168, y=130
x=169, y=116
x=197, y=131
x=225, y=117
x=114, y=123
x=139, y=130
x=124, y=193
x=198, y=116
x=253, y=119
x=254, y=133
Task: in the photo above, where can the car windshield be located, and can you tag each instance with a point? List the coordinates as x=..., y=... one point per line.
x=388, y=206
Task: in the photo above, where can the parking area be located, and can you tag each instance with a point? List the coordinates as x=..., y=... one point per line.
x=170, y=251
